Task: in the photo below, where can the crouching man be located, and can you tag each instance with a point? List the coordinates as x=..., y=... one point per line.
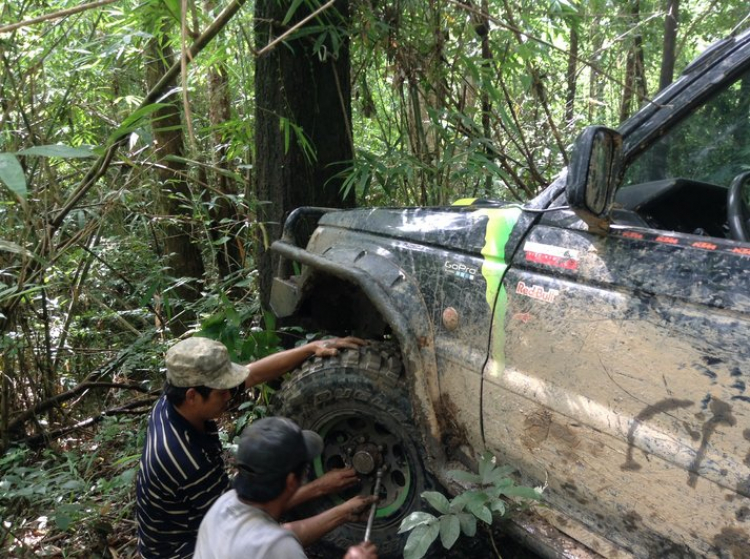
x=272, y=459
x=182, y=472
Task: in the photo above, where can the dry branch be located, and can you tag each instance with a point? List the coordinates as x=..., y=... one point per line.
x=131, y=408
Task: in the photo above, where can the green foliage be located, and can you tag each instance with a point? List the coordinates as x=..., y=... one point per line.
x=228, y=325
x=62, y=490
x=493, y=495
x=244, y=345
x=290, y=131
x=445, y=105
x=11, y=174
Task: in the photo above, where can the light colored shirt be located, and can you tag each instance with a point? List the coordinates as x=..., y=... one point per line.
x=234, y=530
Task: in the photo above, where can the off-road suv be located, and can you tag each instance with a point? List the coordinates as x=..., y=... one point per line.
x=595, y=338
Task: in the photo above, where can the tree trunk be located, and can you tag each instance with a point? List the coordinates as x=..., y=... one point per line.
x=181, y=253
x=303, y=123
x=483, y=29
x=571, y=74
x=596, y=82
x=226, y=225
x=635, y=68
x=670, y=40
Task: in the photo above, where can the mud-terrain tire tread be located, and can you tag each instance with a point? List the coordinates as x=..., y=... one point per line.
x=367, y=380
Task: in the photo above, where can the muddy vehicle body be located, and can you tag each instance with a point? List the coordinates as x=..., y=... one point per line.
x=595, y=338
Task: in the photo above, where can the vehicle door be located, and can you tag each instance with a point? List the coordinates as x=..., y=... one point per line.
x=621, y=379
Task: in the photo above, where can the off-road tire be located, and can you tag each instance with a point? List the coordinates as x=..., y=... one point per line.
x=360, y=394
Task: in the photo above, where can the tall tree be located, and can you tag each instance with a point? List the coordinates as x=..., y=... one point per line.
x=635, y=68
x=303, y=137
x=224, y=228
x=671, y=19
x=180, y=250
x=570, y=96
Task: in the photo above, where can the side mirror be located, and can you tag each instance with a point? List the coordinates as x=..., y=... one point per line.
x=593, y=175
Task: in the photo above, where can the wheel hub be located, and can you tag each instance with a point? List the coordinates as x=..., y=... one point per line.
x=366, y=459
x=367, y=445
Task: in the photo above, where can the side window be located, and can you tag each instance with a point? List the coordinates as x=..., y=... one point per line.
x=680, y=182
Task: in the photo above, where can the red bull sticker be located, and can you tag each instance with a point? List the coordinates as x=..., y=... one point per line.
x=537, y=292
x=550, y=255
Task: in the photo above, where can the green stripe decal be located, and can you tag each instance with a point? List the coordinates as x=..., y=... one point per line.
x=499, y=227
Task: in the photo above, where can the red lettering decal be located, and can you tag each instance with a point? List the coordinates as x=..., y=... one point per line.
x=632, y=235
x=668, y=240
x=704, y=245
x=742, y=251
x=551, y=260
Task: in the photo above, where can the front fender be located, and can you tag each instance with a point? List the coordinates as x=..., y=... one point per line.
x=399, y=302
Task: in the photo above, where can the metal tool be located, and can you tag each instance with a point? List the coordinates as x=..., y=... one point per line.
x=374, y=506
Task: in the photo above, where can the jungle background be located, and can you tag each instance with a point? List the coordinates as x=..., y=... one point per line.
x=150, y=150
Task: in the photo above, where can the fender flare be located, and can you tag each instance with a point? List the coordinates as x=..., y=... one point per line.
x=383, y=282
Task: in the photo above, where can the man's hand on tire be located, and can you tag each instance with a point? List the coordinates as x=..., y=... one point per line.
x=328, y=348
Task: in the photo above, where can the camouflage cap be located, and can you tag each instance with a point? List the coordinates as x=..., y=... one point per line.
x=203, y=362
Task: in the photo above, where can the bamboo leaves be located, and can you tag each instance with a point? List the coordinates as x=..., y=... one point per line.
x=12, y=173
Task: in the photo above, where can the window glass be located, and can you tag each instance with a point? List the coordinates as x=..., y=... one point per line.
x=712, y=144
x=679, y=183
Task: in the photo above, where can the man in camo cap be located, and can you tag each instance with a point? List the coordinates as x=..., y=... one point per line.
x=181, y=470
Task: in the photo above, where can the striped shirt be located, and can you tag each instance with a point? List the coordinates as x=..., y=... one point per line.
x=181, y=475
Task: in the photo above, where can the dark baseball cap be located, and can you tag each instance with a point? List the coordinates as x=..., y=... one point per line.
x=270, y=448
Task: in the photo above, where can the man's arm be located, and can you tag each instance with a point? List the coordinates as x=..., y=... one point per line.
x=273, y=366
x=310, y=530
x=331, y=482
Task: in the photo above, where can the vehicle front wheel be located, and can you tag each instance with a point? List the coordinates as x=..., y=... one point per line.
x=357, y=401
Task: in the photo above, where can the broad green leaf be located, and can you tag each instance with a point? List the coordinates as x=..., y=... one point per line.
x=481, y=511
x=466, y=477
x=420, y=539
x=486, y=466
x=450, y=529
x=416, y=518
x=523, y=492
x=468, y=524
x=65, y=152
x=437, y=501
x=149, y=294
x=498, y=506
x=174, y=7
x=11, y=174
x=63, y=521
x=8, y=246
x=134, y=120
x=72, y=485
x=500, y=474
x=459, y=501
x=476, y=497
x=13, y=292
x=292, y=10
x=127, y=459
x=127, y=477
